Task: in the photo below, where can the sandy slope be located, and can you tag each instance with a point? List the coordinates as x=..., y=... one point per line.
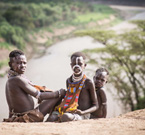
x=132, y=123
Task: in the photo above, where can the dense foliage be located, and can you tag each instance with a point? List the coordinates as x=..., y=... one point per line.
x=18, y=18
x=124, y=56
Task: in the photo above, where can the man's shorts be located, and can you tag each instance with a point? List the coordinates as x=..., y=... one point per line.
x=29, y=116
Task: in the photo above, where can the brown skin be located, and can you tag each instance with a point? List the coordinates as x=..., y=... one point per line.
x=102, y=111
x=19, y=91
x=100, y=80
x=87, y=99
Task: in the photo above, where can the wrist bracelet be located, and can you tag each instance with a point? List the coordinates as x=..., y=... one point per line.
x=38, y=95
x=59, y=94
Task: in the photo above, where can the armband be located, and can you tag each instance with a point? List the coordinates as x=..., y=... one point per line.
x=59, y=94
x=103, y=103
x=38, y=95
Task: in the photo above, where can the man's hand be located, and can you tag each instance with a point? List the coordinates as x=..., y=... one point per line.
x=62, y=92
x=39, y=100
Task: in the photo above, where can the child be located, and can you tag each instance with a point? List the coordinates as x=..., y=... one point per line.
x=19, y=91
x=80, y=99
x=100, y=79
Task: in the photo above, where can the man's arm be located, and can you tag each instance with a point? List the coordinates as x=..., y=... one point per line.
x=29, y=89
x=104, y=102
x=93, y=99
x=55, y=94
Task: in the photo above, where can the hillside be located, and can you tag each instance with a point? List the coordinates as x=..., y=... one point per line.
x=33, y=27
x=131, y=123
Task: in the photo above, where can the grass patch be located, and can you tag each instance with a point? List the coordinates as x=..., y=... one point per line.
x=4, y=63
x=4, y=45
x=48, y=43
x=116, y=21
x=89, y=17
x=102, y=9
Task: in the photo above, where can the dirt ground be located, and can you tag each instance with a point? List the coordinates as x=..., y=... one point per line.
x=132, y=123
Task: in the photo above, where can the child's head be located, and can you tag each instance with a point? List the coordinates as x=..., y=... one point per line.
x=101, y=77
x=78, y=62
x=17, y=61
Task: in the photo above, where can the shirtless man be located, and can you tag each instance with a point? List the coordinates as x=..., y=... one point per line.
x=80, y=99
x=100, y=79
x=19, y=91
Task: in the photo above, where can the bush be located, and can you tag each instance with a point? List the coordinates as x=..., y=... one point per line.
x=141, y=103
x=7, y=31
x=3, y=63
x=13, y=35
x=4, y=45
x=19, y=16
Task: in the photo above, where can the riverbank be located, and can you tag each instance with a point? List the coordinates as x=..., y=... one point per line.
x=129, y=124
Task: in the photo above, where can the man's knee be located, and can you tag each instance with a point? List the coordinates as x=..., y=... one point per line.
x=67, y=117
x=52, y=118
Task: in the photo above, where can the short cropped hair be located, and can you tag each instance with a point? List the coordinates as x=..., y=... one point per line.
x=78, y=54
x=15, y=53
x=102, y=70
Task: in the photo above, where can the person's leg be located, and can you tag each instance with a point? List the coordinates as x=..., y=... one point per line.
x=53, y=117
x=67, y=117
x=73, y=117
x=47, y=105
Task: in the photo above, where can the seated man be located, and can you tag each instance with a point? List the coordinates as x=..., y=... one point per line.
x=80, y=99
x=19, y=91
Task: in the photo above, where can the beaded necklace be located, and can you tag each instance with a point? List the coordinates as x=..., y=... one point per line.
x=70, y=102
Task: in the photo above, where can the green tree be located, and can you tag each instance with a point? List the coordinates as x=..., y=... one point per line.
x=124, y=56
x=13, y=35
x=19, y=16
